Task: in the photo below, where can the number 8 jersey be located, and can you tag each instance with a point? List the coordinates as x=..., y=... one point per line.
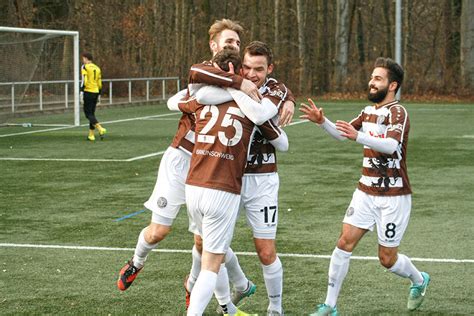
x=223, y=136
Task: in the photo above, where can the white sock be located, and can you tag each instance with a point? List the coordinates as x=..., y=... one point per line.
x=236, y=275
x=222, y=291
x=142, y=250
x=338, y=268
x=273, y=276
x=202, y=292
x=195, y=269
x=406, y=269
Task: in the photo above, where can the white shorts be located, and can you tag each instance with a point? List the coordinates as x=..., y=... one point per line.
x=390, y=214
x=260, y=201
x=168, y=194
x=214, y=213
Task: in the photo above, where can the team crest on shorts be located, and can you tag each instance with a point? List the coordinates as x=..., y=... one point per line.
x=162, y=202
x=350, y=211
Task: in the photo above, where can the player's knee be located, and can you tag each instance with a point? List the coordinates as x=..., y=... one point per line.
x=345, y=244
x=267, y=255
x=387, y=260
x=157, y=233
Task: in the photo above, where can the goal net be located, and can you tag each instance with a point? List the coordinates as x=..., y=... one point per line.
x=39, y=77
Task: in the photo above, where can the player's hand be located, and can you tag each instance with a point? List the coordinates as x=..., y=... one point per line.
x=287, y=112
x=81, y=97
x=346, y=129
x=98, y=99
x=312, y=112
x=250, y=89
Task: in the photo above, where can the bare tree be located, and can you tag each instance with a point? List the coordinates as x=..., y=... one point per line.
x=342, y=43
x=467, y=44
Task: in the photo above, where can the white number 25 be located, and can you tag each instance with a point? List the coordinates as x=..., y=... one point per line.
x=226, y=121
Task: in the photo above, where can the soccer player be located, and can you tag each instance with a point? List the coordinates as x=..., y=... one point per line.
x=169, y=191
x=214, y=181
x=260, y=181
x=90, y=91
x=383, y=196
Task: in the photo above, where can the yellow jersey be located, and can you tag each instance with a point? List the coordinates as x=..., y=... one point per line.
x=91, y=78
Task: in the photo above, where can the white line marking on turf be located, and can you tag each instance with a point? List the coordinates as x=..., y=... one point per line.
x=106, y=122
x=84, y=160
x=291, y=255
x=467, y=136
x=146, y=156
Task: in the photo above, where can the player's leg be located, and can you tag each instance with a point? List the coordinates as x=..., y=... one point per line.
x=89, y=109
x=165, y=201
x=357, y=221
x=214, y=213
x=260, y=200
x=391, y=223
x=272, y=273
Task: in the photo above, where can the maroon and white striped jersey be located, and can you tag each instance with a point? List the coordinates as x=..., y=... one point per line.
x=384, y=174
x=262, y=156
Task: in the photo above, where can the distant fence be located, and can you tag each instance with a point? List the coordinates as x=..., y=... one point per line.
x=39, y=96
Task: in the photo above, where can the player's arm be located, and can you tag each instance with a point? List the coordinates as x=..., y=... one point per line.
x=173, y=102
x=383, y=145
x=316, y=115
x=274, y=134
x=206, y=73
x=257, y=112
x=213, y=95
x=84, y=77
x=99, y=81
x=288, y=108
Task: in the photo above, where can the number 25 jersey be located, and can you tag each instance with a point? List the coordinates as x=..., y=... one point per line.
x=222, y=140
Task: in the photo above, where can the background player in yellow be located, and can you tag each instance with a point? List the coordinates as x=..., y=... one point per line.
x=90, y=91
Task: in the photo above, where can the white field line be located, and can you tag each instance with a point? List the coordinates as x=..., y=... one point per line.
x=290, y=255
x=467, y=136
x=106, y=122
x=85, y=160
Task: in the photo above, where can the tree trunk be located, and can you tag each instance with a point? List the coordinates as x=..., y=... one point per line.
x=301, y=45
x=388, y=28
x=342, y=45
x=467, y=44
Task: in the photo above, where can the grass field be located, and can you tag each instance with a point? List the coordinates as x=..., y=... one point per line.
x=57, y=189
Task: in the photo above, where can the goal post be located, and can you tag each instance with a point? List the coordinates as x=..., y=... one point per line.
x=26, y=64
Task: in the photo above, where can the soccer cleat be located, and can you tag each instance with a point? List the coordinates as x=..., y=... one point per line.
x=241, y=313
x=102, y=132
x=188, y=294
x=127, y=275
x=91, y=136
x=238, y=296
x=324, y=309
x=417, y=293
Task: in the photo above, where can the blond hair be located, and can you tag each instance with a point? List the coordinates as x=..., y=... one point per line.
x=224, y=24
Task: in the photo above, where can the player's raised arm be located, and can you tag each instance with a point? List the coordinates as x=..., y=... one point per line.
x=174, y=100
x=213, y=95
x=316, y=115
x=257, y=112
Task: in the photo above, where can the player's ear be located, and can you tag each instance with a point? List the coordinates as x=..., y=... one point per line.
x=393, y=86
x=213, y=46
x=270, y=69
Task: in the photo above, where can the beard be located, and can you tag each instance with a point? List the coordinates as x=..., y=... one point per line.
x=378, y=96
